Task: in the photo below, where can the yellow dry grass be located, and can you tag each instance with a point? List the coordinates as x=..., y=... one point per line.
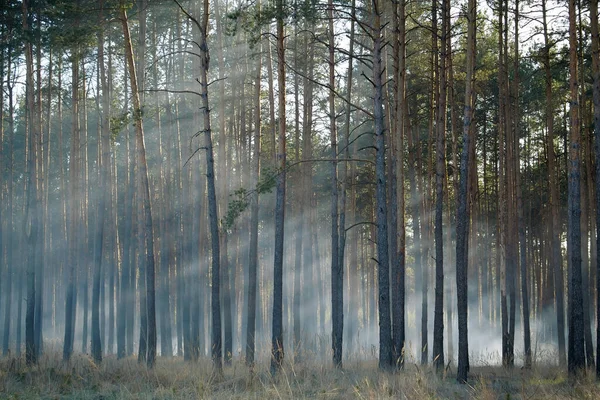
x=175, y=379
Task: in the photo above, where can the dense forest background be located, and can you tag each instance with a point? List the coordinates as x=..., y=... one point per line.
x=283, y=180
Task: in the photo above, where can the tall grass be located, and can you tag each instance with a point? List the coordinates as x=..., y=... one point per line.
x=173, y=378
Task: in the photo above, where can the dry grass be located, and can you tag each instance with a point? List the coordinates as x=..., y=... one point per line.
x=176, y=379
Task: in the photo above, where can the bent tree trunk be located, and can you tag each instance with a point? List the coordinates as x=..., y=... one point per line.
x=146, y=226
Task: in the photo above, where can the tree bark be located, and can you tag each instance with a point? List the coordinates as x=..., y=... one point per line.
x=145, y=195
x=351, y=307
x=519, y=200
x=253, y=246
x=440, y=172
x=385, y=328
x=10, y=219
x=103, y=165
x=216, y=343
x=74, y=206
x=224, y=175
x=554, y=226
x=596, y=98
x=462, y=214
x=576, y=353
x=277, y=352
x=31, y=222
x=337, y=271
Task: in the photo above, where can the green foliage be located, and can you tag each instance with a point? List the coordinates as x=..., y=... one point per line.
x=238, y=204
x=250, y=19
x=267, y=180
x=117, y=123
x=71, y=25
x=240, y=199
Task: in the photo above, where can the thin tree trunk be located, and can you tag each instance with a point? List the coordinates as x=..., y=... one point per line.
x=86, y=244
x=462, y=215
x=337, y=271
x=519, y=200
x=103, y=165
x=440, y=173
x=40, y=189
x=596, y=97
x=398, y=288
x=216, y=347
x=277, y=352
x=30, y=222
x=299, y=213
x=10, y=223
x=145, y=196
x=576, y=353
x=351, y=306
x=74, y=207
x=224, y=175
x=2, y=179
x=554, y=226
x=253, y=246
x=385, y=328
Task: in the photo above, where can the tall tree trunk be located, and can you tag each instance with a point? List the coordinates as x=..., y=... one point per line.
x=224, y=176
x=462, y=214
x=519, y=199
x=40, y=192
x=10, y=223
x=216, y=342
x=392, y=192
x=503, y=186
x=31, y=222
x=554, y=226
x=2, y=177
x=310, y=316
x=440, y=173
x=145, y=195
x=337, y=272
x=512, y=226
x=141, y=245
x=385, y=328
x=86, y=244
x=586, y=187
x=277, y=351
x=351, y=306
x=576, y=353
x=74, y=206
x=253, y=246
x=103, y=165
x=596, y=97
x=126, y=307
x=299, y=212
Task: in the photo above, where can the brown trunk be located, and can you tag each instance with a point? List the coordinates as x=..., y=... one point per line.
x=277, y=333
x=144, y=196
x=462, y=215
x=576, y=353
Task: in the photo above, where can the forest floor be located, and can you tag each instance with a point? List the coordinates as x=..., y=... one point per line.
x=175, y=379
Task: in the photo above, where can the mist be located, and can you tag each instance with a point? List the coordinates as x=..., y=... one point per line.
x=82, y=237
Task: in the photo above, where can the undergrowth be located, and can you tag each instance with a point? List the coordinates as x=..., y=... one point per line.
x=174, y=378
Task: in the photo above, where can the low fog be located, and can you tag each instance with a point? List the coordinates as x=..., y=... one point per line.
x=73, y=195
